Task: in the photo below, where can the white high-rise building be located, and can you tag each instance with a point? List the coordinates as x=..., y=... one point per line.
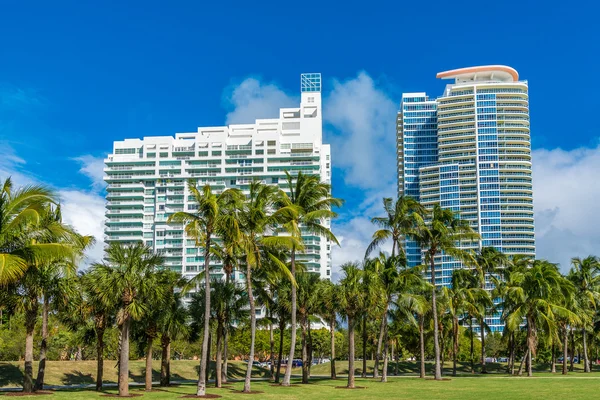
x=470, y=151
x=147, y=177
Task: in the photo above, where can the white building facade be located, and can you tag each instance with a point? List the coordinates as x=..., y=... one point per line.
x=482, y=163
x=147, y=178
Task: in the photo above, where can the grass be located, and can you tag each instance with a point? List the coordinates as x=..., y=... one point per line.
x=490, y=387
x=84, y=372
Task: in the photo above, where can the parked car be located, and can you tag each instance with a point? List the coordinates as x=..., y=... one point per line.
x=503, y=359
x=297, y=363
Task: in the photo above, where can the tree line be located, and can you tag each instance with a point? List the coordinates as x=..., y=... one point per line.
x=395, y=308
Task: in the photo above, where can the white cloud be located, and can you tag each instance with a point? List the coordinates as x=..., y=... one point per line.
x=253, y=99
x=566, y=192
x=363, y=121
x=85, y=212
x=93, y=168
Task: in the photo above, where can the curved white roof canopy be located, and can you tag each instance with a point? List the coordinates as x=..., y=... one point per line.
x=501, y=73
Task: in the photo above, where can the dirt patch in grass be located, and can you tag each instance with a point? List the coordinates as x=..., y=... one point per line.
x=117, y=395
x=355, y=387
x=251, y=392
x=19, y=394
x=206, y=396
x=280, y=385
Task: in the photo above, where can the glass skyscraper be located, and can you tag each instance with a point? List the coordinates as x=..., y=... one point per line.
x=470, y=151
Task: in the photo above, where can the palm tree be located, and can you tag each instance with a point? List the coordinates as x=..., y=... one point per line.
x=54, y=276
x=155, y=303
x=210, y=218
x=586, y=278
x=329, y=306
x=102, y=314
x=45, y=280
x=352, y=298
x=172, y=323
x=304, y=209
x=404, y=299
x=256, y=223
x=126, y=278
x=440, y=235
x=227, y=302
x=487, y=261
x=307, y=303
x=535, y=297
x=23, y=242
x=398, y=222
x=464, y=299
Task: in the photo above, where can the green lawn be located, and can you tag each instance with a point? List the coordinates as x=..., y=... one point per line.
x=490, y=387
x=84, y=372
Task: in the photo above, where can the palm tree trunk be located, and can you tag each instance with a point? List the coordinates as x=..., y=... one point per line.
x=565, y=351
x=271, y=345
x=436, y=340
x=30, y=317
x=511, y=354
x=280, y=354
x=208, y=356
x=380, y=339
x=530, y=348
x=219, y=358
x=422, y=344
x=572, y=350
x=454, y=344
x=350, y=352
x=305, y=360
x=225, y=353
x=482, y=330
x=332, y=333
x=553, y=361
x=288, y=367
x=165, y=342
x=201, y=388
x=472, y=346
x=39, y=383
x=520, y=372
x=586, y=366
x=124, y=359
x=397, y=361
x=149, y=340
x=385, y=356
x=309, y=347
x=99, y=357
x=253, y=330
x=364, y=346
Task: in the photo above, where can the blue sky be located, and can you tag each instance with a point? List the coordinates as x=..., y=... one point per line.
x=75, y=76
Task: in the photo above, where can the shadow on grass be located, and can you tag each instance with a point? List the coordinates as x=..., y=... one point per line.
x=10, y=374
x=77, y=378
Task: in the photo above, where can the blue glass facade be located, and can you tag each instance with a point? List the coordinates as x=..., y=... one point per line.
x=417, y=147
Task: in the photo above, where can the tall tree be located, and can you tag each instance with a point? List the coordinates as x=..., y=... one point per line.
x=258, y=223
x=398, y=222
x=441, y=233
x=126, y=278
x=463, y=299
x=210, y=218
x=329, y=306
x=402, y=288
x=304, y=207
x=44, y=280
x=172, y=324
x=488, y=261
x=352, y=298
x=535, y=297
x=585, y=276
